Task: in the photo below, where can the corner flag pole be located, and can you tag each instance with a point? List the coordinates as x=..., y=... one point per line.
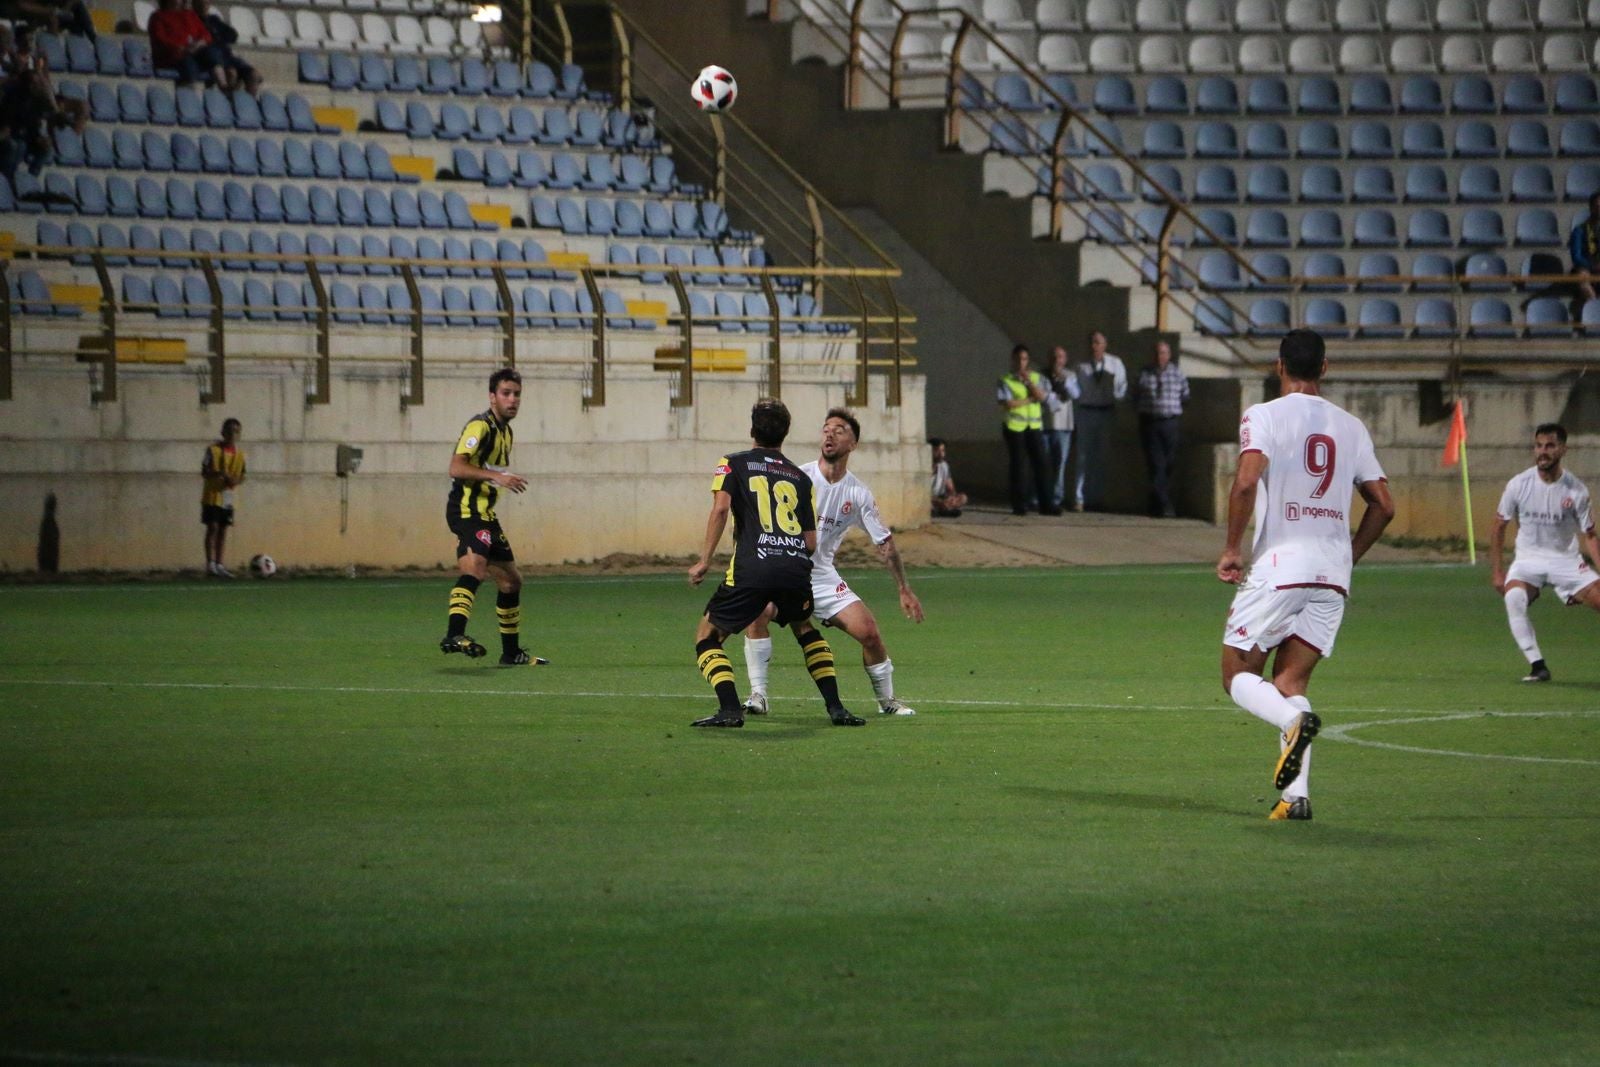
x=1466, y=496
x=1455, y=450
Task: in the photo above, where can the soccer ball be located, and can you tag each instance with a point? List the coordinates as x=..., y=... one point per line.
x=714, y=89
x=263, y=566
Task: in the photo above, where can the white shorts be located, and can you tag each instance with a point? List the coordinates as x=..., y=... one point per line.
x=1263, y=617
x=1570, y=575
x=830, y=594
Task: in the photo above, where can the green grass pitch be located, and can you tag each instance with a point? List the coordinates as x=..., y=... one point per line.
x=267, y=822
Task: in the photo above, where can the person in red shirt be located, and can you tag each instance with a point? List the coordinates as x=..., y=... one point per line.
x=180, y=41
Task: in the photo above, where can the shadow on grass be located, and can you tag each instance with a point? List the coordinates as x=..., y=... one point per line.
x=769, y=729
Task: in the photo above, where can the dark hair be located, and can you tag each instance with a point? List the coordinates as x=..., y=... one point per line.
x=1554, y=429
x=1303, y=352
x=1019, y=347
x=1092, y=334
x=849, y=420
x=769, y=422
x=504, y=374
x=935, y=442
x=235, y=422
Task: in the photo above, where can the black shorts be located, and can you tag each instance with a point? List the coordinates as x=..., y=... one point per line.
x=216, y=515
x=732, y=608
x=484, y=538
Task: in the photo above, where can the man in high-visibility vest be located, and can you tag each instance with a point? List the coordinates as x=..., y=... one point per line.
x=1021, y=396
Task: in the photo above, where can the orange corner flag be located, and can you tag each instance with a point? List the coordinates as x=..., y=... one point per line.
x=1458, y=434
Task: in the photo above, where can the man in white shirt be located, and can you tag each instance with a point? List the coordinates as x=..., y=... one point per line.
x=1102, y=382
x=1551, y=508
x=1300, y=458
x=843, y=501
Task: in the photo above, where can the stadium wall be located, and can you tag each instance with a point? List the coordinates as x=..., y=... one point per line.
x=630, y=477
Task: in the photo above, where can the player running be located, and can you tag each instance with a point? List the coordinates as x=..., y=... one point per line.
x=769, y=578
x=480, y=468
x=1551, y=508
x=1299, y=458
x=843, y=501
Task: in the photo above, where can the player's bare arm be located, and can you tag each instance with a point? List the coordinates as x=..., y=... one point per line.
x=716, y=523
x=908, y=600
x=1241, y=506
x=464, y=469
x=1380, y=511
x=1497, y=549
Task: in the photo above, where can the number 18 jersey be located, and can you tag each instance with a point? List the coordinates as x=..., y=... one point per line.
x=1317, y=453
x=774, y=504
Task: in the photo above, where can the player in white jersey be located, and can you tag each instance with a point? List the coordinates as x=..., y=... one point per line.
x=843, y=501
x=1300, y=458
x=1551, y=508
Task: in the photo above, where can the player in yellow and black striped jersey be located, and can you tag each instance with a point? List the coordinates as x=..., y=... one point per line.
x=480, y=467
x=221, y=472
x=773, y=505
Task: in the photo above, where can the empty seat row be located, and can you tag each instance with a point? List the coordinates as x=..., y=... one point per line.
x=1375, y=272
x=1321, y=228
x=277, y=28
x=1365, y=94
x=374, y=73
x=1247, y=16
x=1487, y=317
x=266, y=157
x=161, y=105
x=116, y=56
x=233, y=201
x=1369, y=183
x=520, y=125
x=528, y=170
x=681, y=219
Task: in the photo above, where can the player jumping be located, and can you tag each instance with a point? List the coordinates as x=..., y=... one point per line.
x=1299, y=459
x=1551, y=508
x=843, y=501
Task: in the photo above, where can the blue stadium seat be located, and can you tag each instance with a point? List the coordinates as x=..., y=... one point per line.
x=454, y=122
x=1428, y=228
x=704, y=256
x=136, y=58
x=214, y=155
x=1216, y=140
x=1011, y=91
x=564, y=172
x=1373, y=184
x=474, y=77
x=1380, y=319
x=119, y=198
x=1528, y=138
x=374, y=73
x=1219, y=222
x=496, y=171
x=599, y=218
x=343, y=74
x=297, y=159
x=441, y=76
x=589, y=129
x=136, y=296
x=126, y=149
x=1164, y=140
x=505, y=79
x=257, y=300
x=1269, y=317
x=270, y=162
x=246, y=111
x=571, y=216
x=1214, y=317
x=1323, y=265
x=429, y=251
x=1426, y=184
x=110, y=59
x=487, y=123
x=1536, y=227
x=557, y=127
x=324, y=210
x=1591, y=317
x=301, y=120
x=1532, y=183
x=237, y=203
x=182, y=203
x=103, y=103
x=347, y=248
x=1432, y=265
x=1113, y=95
x=714, y=222
x=1219, y=271
x=1318, y=140
x=1583, y=180
x=262, y=242
x=1422, y=139
x=1580, y=137
x=1061, y=86
x=1479, y=183
x=1475, y=139
x=1482, y=265
x=1267, y=183
x=313, y=67
x=1166, y=177
x=1524, y=95
x=290, y=244
x=265, y=204
x=650, y=255
x=544, y=212
x=353, y=162
x=377, y=207
x=1421, y=94
x=1576, y=94
x=1374, y=228
x=1320, y=96
x=80, y=55
x=97, y=149
x=161, y=106
x=344, y=302
x=1214, y=183
x=1267, y=95
x=633, y=174
x=242, y=157
x=131, y=104
x=196, y=296
x=390, y=118
x=1434, y=318
x=629, y=219
x=167, y=296
x=1327, y=317
x=1376, y=265
x=1103, y=182
x=1472, y=95
x=407, y=75
x=1216, y=95
x=379, y=166
x=535, y=308
x=319, y=247
x=564, y=309
x=1321, y=184
x=485, y=304
x=598, y=176
x=374, y=301
x=1371, y=140
x=1490, y=317
x=1266, y=140
x=521, y=127
x=1369, y=95
x=530, y=170
x=218, y=109
x=419, y=120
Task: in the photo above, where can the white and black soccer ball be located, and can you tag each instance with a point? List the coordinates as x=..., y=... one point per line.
x=714, y=89
x=263, y=566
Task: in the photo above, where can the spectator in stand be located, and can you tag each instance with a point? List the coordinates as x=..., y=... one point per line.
x=1063, y=390
x=1585, y=248
x=53, y=15
x=947, y=499
x=1162, y=392
x=224, y=36
x=180, y=41
x=29, y=110
x=1102, y=382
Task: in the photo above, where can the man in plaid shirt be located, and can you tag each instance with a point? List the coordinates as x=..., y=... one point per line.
x=1161, y=394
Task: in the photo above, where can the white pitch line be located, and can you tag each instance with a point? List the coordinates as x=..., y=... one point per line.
x=1341, y=732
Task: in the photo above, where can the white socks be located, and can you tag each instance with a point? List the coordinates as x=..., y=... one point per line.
x=1261, y=698
x=1521, y=628
x=757, y=654
x=882, y=675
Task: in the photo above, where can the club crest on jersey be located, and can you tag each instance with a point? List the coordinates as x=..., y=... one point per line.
x=1566, y=503
x=483, y=535
x=472, y=442
x=846, y=509
x=841, y=589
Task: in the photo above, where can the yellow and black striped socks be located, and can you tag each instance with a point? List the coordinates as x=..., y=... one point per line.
x=508, y=609
x=461, y=596
x=718, y=670
x=819, y=661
